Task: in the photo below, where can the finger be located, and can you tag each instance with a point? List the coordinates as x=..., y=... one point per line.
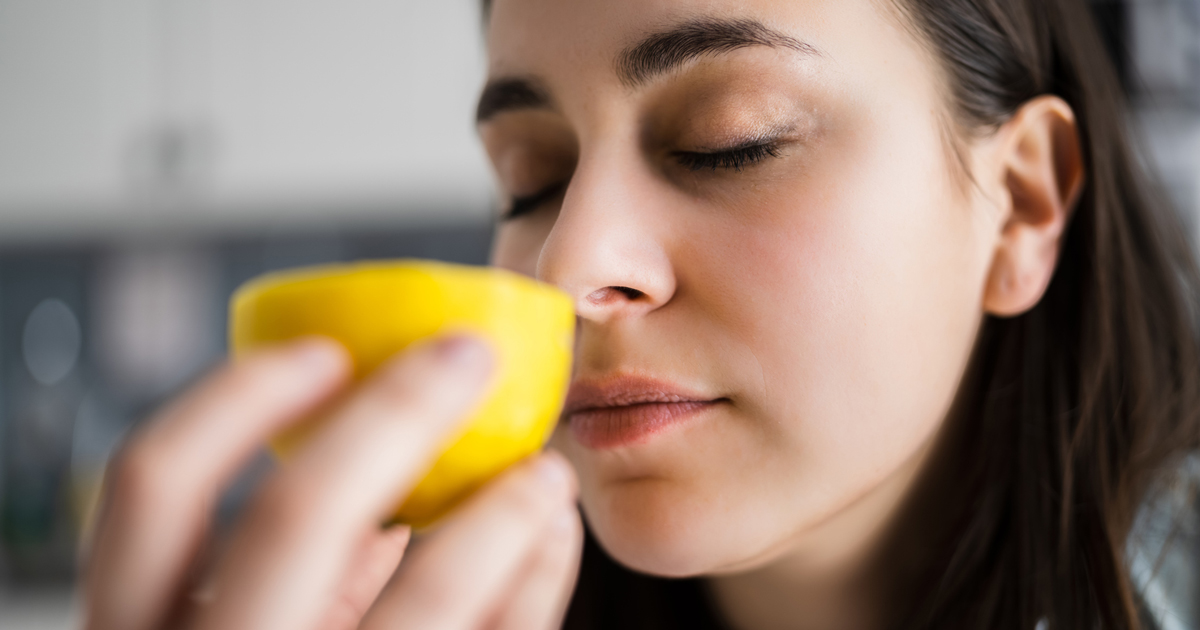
x=160, y=490
x=539, y=600
x=302, y=528
x=372, y=567
x=454, y=579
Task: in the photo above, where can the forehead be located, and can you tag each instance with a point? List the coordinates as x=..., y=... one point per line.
x=570, y=39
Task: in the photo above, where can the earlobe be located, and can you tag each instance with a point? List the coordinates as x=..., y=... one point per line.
x=1040, y=166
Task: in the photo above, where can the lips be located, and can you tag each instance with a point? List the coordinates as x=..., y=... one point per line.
x=626, y=410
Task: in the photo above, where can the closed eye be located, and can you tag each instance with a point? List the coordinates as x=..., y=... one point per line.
x=735, y=159
x=527, y=204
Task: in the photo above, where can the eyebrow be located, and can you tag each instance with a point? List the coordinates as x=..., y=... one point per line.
x=667, y=50
x=653, y=56
x=511, y=93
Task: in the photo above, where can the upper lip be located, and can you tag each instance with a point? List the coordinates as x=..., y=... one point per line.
x=624, y=390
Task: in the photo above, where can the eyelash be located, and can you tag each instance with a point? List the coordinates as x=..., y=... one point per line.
x=734, y=159
x=529, y=203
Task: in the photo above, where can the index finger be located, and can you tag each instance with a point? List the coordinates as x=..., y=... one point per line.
x=161, y=488
x=287, y=557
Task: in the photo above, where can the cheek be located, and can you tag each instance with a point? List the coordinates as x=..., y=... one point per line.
x=857, y=288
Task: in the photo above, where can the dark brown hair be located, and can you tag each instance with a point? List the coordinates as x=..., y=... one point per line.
x=1071, y=414
x=1073, y=411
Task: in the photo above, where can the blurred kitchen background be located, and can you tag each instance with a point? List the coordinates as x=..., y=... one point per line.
x=156, y=153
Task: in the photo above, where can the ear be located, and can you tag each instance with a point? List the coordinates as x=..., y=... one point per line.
x=1040, y=166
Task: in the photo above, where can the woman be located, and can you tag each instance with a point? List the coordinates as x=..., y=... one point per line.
x=877, y=328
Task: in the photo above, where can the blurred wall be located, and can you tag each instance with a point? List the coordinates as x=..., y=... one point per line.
x=135, y=116
x=154, y=154
x=94, y=336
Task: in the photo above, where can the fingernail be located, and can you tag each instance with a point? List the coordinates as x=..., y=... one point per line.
x=553, y=470
x=464, y=351
x=319, y=355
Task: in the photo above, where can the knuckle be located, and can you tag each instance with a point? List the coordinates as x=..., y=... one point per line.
x=553, y=558
x=138, y=479
x=279, y=504
x=527, y=498
x=433, y=591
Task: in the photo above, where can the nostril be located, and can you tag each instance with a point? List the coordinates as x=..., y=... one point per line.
x=607, y=294
x=632, y=294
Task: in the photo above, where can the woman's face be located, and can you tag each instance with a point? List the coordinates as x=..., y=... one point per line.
x=754, y=206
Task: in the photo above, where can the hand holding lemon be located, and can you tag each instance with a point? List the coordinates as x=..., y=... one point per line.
x=375, y=310
x=483, y=359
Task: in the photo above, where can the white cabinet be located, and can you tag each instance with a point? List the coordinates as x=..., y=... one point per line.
x=120, y=115
x=75, y=88
x=363, y=101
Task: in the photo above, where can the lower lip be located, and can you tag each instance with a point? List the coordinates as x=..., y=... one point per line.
x=610, y=427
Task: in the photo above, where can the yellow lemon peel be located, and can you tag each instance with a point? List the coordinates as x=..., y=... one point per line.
x=376, y=309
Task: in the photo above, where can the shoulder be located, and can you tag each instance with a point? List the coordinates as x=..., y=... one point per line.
x=1163, y=550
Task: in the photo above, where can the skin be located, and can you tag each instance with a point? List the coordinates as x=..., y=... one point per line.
x=309, y=553
x=829, y=295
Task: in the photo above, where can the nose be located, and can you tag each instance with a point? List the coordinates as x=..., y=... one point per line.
x=607, y=247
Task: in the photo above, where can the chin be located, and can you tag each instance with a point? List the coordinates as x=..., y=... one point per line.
x=655, y=527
